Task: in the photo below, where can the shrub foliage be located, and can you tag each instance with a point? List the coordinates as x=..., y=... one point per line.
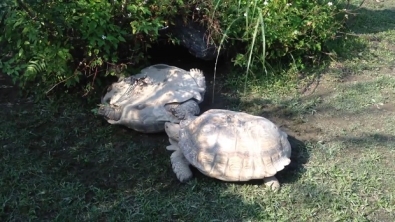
x=53, y=42
x=270, y=30
x=50, y=43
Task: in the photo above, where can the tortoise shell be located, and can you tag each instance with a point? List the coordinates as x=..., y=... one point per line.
x=234, y=146
x=141, y=101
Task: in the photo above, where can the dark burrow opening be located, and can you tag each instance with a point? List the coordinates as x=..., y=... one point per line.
x=179, y=56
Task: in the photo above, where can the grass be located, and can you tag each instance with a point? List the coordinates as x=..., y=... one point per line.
x=61, y=163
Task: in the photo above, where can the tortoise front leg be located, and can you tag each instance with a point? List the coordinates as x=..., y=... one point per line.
x=180, y=166
x=272, y=183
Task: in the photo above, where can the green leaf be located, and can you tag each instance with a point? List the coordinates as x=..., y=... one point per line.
x=120, y=38
x=20, y=53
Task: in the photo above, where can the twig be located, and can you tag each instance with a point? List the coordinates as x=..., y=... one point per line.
x=93, y=81
x=75, y=73
x=360, y=5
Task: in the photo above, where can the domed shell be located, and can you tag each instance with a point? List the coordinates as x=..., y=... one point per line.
x=234, y=146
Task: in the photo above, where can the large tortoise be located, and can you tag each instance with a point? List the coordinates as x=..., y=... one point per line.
x=229, y=146
x=144, y=102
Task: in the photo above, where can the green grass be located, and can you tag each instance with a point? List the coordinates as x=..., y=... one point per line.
x=61, y=163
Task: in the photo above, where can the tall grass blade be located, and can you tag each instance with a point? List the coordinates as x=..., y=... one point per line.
x=263, y=42
x=251, y=50
x=216, y=60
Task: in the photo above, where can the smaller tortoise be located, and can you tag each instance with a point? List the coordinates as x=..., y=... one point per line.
x=229, y=146
x=144, y=102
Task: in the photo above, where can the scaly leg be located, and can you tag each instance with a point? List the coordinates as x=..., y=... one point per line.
x=180, y=166
x=272, y=182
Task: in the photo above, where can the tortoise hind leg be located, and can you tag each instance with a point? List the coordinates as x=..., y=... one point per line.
x=110, y=113
x=272, y=183
x=180, y=166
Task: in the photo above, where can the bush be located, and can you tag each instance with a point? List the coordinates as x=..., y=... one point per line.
x=49, y=43
x=53, y=42
x=275, y=29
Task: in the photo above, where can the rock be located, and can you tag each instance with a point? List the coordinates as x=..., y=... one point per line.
x=193, y=36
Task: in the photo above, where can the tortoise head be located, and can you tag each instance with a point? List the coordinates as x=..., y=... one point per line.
x=172, y=131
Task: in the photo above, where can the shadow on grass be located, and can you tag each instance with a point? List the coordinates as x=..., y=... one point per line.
x=61, y=162
x=371, y=18
x=369, y=140
x=64, y=164
x=351, y=50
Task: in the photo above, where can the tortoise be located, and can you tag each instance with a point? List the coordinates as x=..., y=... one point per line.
x=229, y=146
x=144, y=102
